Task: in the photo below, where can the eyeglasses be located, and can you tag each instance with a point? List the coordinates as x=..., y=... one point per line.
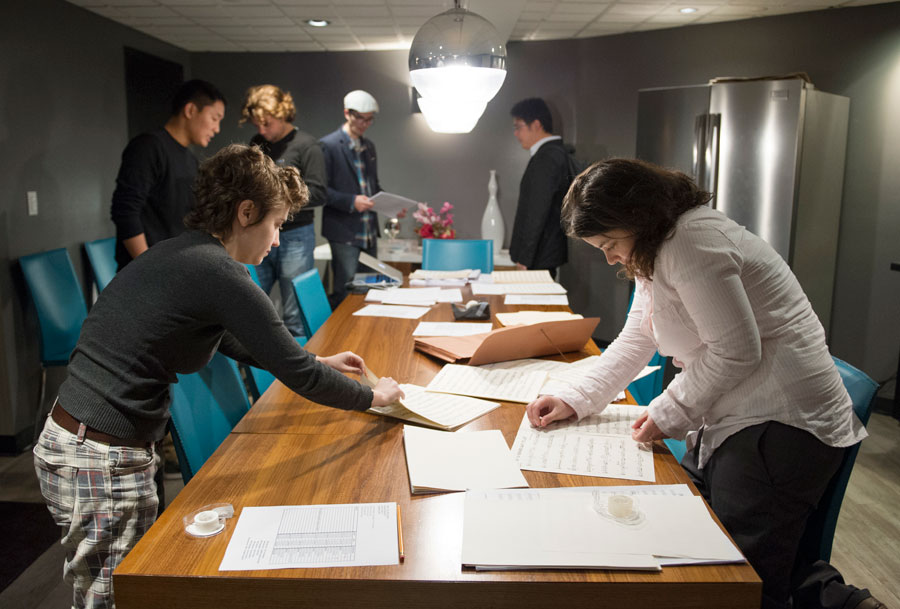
x=519, y=126
x=363, y=119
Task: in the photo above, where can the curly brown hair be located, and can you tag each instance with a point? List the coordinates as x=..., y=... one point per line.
x=634, y=196
x=237, y=173
x=268, y=100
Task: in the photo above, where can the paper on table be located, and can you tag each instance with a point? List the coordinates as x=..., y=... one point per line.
x=443, y=461
x=312, y=536
x=521, y=277
x=504, y=385
x=583, y=454
x=392, y=311
x=536, y=299
x=463, y=274
x=390, y=204
x=450, y=328
x=414, y=296
x=517, y=288
x=534, y=317
x=615, y=420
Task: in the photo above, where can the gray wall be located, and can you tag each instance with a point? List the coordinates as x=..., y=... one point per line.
x=62, y=128
x=64, y=125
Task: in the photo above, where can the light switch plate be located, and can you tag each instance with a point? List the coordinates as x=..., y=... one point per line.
x=32, y=203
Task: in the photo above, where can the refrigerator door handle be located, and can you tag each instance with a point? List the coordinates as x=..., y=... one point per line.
x=706, y=151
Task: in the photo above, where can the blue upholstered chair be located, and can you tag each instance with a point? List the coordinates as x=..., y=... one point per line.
x=60, y=309
x=650, y=386
x=821, y=525
x=458, y=254
x=253, y=274
x=314, y=307
x=206, y=405
x=102, y=256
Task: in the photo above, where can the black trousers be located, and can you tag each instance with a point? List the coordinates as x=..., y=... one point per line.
x=763, y=483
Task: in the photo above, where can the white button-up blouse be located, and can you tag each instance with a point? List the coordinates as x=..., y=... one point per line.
x=729, y=311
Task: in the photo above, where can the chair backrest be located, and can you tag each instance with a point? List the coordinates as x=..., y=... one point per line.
x=206, y=405
x=822, y=523
x=59, y=302
x=253, y=274
x=102, y=256
x=314, y=307
x=458, y=254
x=258, y=380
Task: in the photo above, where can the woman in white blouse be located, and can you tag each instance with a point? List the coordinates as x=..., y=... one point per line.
x=758, y=398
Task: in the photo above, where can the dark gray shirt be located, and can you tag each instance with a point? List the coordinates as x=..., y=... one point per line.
x=167, y=312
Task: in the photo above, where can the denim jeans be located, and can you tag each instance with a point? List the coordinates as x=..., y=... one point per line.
x=344, y=263
x=291, y=258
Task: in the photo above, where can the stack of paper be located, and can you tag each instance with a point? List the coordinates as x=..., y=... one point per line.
x=450, y=328
x=463, y=274
x=599, y=445
x=505, y=528
x=537, y=299
x=534, y=317
x=440, y=461
x=504, y=385
x=520, y=277
x=400, y=312
x=517, y=288
x=414, y=296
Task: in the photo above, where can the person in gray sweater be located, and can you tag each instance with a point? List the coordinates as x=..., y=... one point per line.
x=168, y=312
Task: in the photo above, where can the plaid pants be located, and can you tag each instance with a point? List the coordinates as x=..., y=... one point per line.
x=104, y=499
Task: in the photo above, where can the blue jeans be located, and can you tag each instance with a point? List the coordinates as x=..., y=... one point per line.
x=344, y=262
x=292, y=257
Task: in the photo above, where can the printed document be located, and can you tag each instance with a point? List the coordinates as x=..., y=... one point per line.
x=455, y=461
x=311, y=536
x=536, y=299
x=521, y=277
x=534, y=317
x=503, y=385
x=451, y=328
x=565, y=449
x=517, y=288
x=390, y=204
x=392, y=311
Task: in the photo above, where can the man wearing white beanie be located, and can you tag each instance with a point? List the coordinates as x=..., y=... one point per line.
x=348, y=221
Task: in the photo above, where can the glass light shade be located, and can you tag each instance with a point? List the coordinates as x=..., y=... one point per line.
x=451, y=116
x=458, y=82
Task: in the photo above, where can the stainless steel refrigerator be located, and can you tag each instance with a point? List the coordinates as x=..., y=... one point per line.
x=772, y=151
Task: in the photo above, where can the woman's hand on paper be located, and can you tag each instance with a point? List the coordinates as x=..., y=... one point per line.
x=387, y=391
x=345, y=362
x=547, y=409
x=645, y=430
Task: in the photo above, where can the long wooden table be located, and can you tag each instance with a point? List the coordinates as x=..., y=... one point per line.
x=289, y=451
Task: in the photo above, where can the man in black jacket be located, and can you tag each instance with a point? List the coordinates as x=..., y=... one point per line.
x=538, y=242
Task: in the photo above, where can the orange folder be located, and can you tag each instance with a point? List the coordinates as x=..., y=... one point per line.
x=513, y=342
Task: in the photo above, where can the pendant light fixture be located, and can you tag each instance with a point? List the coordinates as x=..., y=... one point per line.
x=457, y=63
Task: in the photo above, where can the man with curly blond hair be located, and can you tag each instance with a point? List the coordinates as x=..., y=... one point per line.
x=271, y=110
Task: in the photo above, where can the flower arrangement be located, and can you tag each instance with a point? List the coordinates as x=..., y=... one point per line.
x=434, y=225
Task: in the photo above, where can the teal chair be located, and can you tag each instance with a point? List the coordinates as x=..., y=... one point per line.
x=253, y=274
x=60, y=309
x=650, y=386
x=206, y=405
x=314, y=307
x=102, y=256
x=458, y=254
x=822, y=523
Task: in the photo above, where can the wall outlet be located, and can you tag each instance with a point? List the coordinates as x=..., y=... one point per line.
x=32, y=203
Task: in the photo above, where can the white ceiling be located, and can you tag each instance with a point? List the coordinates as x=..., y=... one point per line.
x=357, y=25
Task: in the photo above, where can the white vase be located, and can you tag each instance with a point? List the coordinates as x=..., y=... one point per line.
x=492, y=221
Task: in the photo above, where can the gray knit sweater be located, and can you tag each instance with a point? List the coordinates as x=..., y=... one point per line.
x=166, y=313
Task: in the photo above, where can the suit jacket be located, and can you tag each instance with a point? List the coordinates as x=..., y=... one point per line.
x=538, y=241
x=340, y=220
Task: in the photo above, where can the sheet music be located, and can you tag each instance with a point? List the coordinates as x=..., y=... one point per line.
x=527, y=365
x=392, y=311
x=451, y=328
x=534, y=317
x=446, y=409
x=521, y=277
x=390, y=204
x=445, y=461
x=312, y=536
x=536, y=299
x=463, y=274
x=503, y=385
x=584, y=454
x=517, y=288
x=615, y=420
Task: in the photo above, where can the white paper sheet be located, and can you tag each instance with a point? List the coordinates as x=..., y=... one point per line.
x=517, y=288
x=445, y=409
x=536, y=299
x=463, y=274
x=401, y=312
x=311, y=536
x=414, y=296
x=503, y=385
x=447, y=461
x=451, y=328
x=390, y=204
x=534, y=317
x=521, y=277
x=577, y=452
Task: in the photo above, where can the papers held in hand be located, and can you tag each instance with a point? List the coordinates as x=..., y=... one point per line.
x=516, y=342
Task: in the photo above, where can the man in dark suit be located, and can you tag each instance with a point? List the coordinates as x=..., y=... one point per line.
x=538, y=241
x=348, y=220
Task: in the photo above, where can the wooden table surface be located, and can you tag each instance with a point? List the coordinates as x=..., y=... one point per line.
x=288, y=451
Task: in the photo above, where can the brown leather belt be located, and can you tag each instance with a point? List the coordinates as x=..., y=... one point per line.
x=73, y=425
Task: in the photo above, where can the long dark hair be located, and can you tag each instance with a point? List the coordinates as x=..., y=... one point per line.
x=637, y=197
